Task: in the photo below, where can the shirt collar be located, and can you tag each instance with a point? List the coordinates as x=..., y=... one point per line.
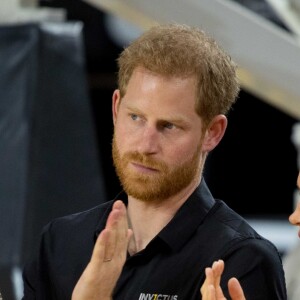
x=188, y=217
x=185, y=222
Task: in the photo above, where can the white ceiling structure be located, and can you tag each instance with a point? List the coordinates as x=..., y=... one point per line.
x=23, y=11
x=267, y=55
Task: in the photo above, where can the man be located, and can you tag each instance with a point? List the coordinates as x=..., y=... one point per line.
x=176, y=86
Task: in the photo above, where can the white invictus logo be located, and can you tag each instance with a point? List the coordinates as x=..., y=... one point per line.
x=157, y=297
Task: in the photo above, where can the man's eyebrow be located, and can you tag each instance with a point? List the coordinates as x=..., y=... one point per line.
x=133, y=109
x=176, y=120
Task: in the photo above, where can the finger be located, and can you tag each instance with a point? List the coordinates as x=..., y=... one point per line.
x=211, y=274
x=219, y=293
x=114, y=215
x=123, y=233
x=119, y=204
x=106, y=241
x=117, y=228
x=209, y=280
x=211, y=293
x=235, y=289
x=218, y=268
x=122, y=222
x=100, y=246
x=111, y=242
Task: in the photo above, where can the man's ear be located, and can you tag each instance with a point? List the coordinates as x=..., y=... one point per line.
x=115, y=104
x=214, y=133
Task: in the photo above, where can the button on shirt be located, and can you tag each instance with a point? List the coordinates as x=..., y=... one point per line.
x=172, y=266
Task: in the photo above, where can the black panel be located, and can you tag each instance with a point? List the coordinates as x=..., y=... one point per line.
x=49, y=158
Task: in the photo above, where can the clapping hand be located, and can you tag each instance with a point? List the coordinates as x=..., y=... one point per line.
x=102, y=272
x=211, y=289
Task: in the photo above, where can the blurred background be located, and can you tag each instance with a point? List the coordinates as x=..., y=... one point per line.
x=57, y=75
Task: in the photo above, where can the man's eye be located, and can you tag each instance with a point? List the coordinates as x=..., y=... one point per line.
x=169, y=125
x=134, y=116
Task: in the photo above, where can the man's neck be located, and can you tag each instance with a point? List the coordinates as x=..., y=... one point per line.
x=147, y=219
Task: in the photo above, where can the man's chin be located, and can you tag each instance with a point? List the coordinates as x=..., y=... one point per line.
x=146, y=197
x=143, y=190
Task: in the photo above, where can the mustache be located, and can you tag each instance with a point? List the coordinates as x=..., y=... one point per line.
x=145, y=160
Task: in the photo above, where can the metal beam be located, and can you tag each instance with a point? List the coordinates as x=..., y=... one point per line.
x=289, y=13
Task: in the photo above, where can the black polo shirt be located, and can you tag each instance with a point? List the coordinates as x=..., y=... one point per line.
x=172, y=265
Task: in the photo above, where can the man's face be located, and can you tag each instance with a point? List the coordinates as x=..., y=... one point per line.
x=157, y=137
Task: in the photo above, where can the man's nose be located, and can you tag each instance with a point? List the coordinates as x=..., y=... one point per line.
x=294, y=218
x=149, y=141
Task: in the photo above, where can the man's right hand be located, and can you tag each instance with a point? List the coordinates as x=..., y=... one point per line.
x=101, y=274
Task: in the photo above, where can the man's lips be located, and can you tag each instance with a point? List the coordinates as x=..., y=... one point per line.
x=143, y=168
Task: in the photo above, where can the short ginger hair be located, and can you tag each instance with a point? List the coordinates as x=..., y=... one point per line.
x=178, y=50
